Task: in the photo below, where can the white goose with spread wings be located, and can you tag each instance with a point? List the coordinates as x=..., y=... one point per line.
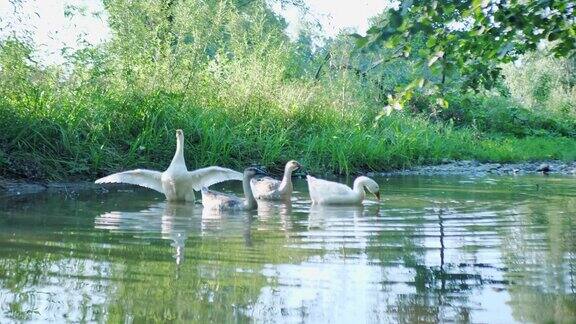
x=176, y=183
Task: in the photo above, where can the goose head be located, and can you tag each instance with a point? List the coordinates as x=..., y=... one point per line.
x=293, y=165
x=371, y=186
x=179, y=136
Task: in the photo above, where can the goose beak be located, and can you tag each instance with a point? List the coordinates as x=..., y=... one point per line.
x=298, y=166
x=377, y=194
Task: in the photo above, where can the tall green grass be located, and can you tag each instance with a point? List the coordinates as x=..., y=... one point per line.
x=93, y=138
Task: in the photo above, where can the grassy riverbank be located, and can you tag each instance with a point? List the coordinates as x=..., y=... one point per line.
x=74, y=138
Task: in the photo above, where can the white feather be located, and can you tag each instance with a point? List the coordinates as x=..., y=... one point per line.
x=206, y=177
x=265, y=187
x=141, y=177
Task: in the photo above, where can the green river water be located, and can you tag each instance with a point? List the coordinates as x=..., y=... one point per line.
x=437, y=249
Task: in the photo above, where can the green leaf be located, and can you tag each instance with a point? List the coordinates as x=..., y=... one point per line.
x=479, y=30
x=435, y=58
x=393, y=41
x=421, y=82
x=395, y=19
x=373, y=30
x=361, y=41
x=553, y=36
x=442, y=102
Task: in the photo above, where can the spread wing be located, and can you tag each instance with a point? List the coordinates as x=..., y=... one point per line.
x=206, y=177
x=145, y=178
x=264, y=186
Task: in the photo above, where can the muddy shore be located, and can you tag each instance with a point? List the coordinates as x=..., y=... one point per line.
x=476, y=168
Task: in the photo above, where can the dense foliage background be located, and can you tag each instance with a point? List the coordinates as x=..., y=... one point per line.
x=244, y=93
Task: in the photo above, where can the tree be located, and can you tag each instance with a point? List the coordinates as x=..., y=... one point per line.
x=470, y=39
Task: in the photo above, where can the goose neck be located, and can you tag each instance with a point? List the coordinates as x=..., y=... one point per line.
x=359, y=188
x=178, y=159
x=286, y=184
x=250, y=202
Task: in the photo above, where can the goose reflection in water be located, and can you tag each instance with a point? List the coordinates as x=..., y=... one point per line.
x=269, y=216
x=325, y=216
x=269, y=210
x=223, y=223
x=169, y=221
